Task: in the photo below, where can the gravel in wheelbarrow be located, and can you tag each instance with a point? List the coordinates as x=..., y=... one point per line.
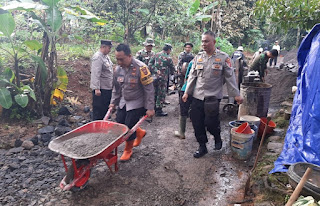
x=89, y=140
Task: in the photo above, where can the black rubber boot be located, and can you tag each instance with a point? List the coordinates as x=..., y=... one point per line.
x=160, y=113
x=201, y=151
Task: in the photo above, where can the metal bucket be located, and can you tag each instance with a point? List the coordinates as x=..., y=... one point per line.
x=256, y=97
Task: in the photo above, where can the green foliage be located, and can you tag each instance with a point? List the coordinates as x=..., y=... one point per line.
x=21, y=95
x=224, y=45
x=7, y=23
x=288, y=14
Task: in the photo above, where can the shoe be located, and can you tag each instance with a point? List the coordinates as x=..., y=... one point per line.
x=201, y=151
x=140, y=134
x=127, y=152
x=160, y=113
x=218, y=145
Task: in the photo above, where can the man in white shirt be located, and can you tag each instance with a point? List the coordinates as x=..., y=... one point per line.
x=277, y=47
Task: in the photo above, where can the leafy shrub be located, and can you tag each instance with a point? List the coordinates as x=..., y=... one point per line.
x=224, y=45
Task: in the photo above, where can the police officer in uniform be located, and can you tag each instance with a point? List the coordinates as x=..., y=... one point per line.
x=211, y=68
x=133, y=93
x=101, y=80
x=145, y=54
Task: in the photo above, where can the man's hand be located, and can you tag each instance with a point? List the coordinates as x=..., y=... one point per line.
x=150, y=113
x=97, y=92
x=159, y=72
x=111, y=106
x=185, y=97
x=239, y=99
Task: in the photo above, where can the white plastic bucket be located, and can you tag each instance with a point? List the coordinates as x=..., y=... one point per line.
x=241, y=144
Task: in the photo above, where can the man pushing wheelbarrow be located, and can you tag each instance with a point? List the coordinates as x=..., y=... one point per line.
x=133, y=93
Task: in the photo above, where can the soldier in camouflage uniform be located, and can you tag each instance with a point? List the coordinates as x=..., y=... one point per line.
x=183, y=56
x=260, y=62
x=146, y=54
x=160, y=66
x=210, y=69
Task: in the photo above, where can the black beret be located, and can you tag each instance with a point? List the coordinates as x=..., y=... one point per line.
x=188, y=43
x=106, y=42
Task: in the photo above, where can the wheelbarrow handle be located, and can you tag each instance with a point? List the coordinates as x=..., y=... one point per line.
x=134, y=128
x=106, y=117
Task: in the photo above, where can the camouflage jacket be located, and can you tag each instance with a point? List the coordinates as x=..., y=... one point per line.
x=161, y=62
x=180, y=58
x=144, y=56
x=260, y=64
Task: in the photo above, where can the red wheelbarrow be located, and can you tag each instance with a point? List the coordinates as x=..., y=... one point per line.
x=86, y=145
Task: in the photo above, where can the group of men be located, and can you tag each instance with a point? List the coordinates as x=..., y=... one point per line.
x=137, y=86
x=259, y=59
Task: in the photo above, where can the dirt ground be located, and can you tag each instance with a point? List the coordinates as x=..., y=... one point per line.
x=162, y=171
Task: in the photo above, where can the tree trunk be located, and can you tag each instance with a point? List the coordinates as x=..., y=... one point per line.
x=38, y=87
x=298, y=37
x=16, y=69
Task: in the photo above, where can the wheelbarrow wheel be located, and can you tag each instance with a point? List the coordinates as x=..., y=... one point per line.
x=83, y=182
x=230, y=109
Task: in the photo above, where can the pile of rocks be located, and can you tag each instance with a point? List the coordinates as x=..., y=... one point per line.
x=30, y=172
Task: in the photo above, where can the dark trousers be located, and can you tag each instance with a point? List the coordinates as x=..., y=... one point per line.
x=184, y=106
x=100, y=104
x=130, y=118
x=275, y=61
x=205, y=116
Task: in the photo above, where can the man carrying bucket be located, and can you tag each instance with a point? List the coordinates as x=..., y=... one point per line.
x=133, y=92
x=211, y=68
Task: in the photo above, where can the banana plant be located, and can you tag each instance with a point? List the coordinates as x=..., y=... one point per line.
x=8, y=90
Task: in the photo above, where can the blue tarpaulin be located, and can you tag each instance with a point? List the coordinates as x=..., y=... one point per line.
x=302, y=142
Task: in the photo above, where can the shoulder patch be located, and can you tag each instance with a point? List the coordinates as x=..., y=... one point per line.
x=145, y=76
x=228, y=61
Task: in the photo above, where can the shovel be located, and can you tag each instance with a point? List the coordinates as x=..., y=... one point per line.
x=246, y=189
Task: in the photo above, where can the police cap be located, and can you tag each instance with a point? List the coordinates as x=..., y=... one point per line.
x=106, y=42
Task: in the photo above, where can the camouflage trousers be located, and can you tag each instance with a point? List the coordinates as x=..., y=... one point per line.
x=160, y=88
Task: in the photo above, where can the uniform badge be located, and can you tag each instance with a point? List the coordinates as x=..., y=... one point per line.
x=217, y=60
x=228, y=61
x=132, y=80
x=217, y=66
x=120, y=79
x=199, y=66
x=200, y=60
x=145, y=76
x=216, y=72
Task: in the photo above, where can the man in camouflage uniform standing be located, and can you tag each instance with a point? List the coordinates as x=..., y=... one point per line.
x=146, y=54
x=210, y=70
x=183, y=56
x=161, y=65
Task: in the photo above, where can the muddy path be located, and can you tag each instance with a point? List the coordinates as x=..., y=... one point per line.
x=162, y=171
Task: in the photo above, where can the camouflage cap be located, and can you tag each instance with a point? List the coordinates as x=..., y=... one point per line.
x=149, y=42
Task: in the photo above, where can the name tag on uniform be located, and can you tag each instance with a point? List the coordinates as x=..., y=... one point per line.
x=199, y=66
x=120, y=79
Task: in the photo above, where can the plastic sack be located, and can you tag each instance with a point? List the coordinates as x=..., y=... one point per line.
x=302, y=142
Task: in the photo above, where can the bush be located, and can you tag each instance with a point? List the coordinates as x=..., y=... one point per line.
x=224, y=45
